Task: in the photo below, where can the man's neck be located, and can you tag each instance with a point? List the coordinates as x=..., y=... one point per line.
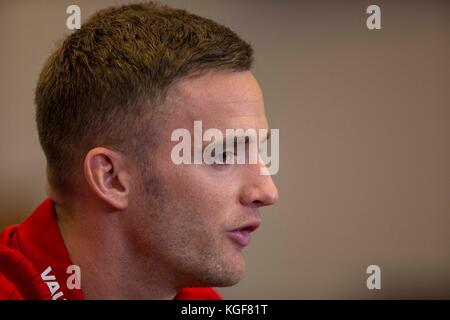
x=110, y=268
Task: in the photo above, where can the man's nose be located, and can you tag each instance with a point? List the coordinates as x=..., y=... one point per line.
x=259, y=192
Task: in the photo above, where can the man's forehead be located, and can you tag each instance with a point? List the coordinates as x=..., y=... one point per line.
x=218, y=94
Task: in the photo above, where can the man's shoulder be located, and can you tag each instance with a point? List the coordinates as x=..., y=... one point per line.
x=20, y=276
x=19, y=279
x=12, y=262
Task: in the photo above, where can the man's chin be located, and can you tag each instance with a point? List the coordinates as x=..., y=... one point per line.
x=222, y=275
x=229, y=275
x=227, y=282
x=221, y=281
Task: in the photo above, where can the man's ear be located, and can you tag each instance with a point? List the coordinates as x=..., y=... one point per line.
x=106, y=173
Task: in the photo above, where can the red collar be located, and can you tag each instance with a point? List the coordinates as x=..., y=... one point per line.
x=39, y=240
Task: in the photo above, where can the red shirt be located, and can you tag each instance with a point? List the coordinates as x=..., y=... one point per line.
x=34, y=262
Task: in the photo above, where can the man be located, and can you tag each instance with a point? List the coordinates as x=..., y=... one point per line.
x=122, y=220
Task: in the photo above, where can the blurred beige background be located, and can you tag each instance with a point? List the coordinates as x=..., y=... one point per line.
x=364, y=119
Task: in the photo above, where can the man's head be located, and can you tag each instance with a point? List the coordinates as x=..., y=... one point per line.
x=107, y=102
x=102, y=85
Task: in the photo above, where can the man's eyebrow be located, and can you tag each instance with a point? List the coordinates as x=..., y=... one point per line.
x=247, y=138
x=267, y=137
x=236, y=141
x=237, y=138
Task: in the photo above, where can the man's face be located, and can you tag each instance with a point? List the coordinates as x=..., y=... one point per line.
x=187, y=215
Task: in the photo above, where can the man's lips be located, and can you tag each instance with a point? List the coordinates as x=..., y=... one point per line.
x=241, y=235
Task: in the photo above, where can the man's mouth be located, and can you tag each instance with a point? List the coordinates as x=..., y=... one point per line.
x=241, y=235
